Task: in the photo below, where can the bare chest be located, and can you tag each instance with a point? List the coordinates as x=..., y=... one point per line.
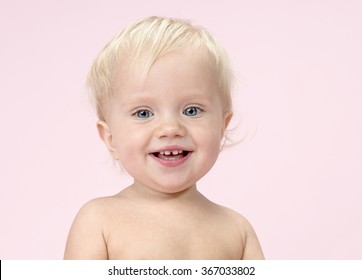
x=152, y=237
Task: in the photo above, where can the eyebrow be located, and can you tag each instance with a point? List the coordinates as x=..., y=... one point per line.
x=138, y=99
x=148, y=98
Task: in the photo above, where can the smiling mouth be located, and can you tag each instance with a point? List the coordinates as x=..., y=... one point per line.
x=171, y=155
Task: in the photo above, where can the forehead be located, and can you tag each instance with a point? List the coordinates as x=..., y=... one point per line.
x=176, y=72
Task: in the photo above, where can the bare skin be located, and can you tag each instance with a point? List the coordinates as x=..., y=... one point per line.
x=162, y=215
x=139, y=223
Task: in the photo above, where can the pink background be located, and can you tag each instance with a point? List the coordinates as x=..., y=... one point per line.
x=297, y=176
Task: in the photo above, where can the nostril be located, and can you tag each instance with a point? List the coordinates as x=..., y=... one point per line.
x=170, y=128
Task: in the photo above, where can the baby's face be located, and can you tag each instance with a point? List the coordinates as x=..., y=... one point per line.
x=166, y=130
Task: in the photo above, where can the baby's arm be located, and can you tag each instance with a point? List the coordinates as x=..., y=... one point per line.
x=252, y=248
x=86, y=240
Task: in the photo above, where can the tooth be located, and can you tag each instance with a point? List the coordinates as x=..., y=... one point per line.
x=180, y=151
x=162, y=152
x=167, y=153
x=175, y=152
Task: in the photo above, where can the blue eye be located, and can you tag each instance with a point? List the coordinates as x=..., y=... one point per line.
x=192, y=111
x=143, y=114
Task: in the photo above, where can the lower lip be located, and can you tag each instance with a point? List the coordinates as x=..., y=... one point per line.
x=171, y=163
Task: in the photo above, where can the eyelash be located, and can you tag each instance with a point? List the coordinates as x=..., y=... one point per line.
x=136, y=113
x=150, y=114
x=198, y=111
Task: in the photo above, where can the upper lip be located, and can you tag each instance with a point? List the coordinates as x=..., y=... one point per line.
x=171, y=148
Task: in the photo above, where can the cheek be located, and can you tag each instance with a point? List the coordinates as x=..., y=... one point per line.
x=129, y=143
x=209, y=141
x=207, y=155
x=212, y=148
x=129, y=156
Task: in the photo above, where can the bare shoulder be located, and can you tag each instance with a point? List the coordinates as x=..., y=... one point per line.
x=86, y=239
x=95, y=206
x=252, y=249
x=95, y=211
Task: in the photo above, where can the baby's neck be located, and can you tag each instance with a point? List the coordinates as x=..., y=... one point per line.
x=144, y=194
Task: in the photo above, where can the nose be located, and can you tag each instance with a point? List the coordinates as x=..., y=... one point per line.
x=170, y=127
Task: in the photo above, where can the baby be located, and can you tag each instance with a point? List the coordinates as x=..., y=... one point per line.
x=162, y=93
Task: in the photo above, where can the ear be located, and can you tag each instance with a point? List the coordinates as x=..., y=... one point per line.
x=226, y=120
x=105, y=134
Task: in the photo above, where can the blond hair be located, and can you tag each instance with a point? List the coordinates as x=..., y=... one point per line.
x=142, y=43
